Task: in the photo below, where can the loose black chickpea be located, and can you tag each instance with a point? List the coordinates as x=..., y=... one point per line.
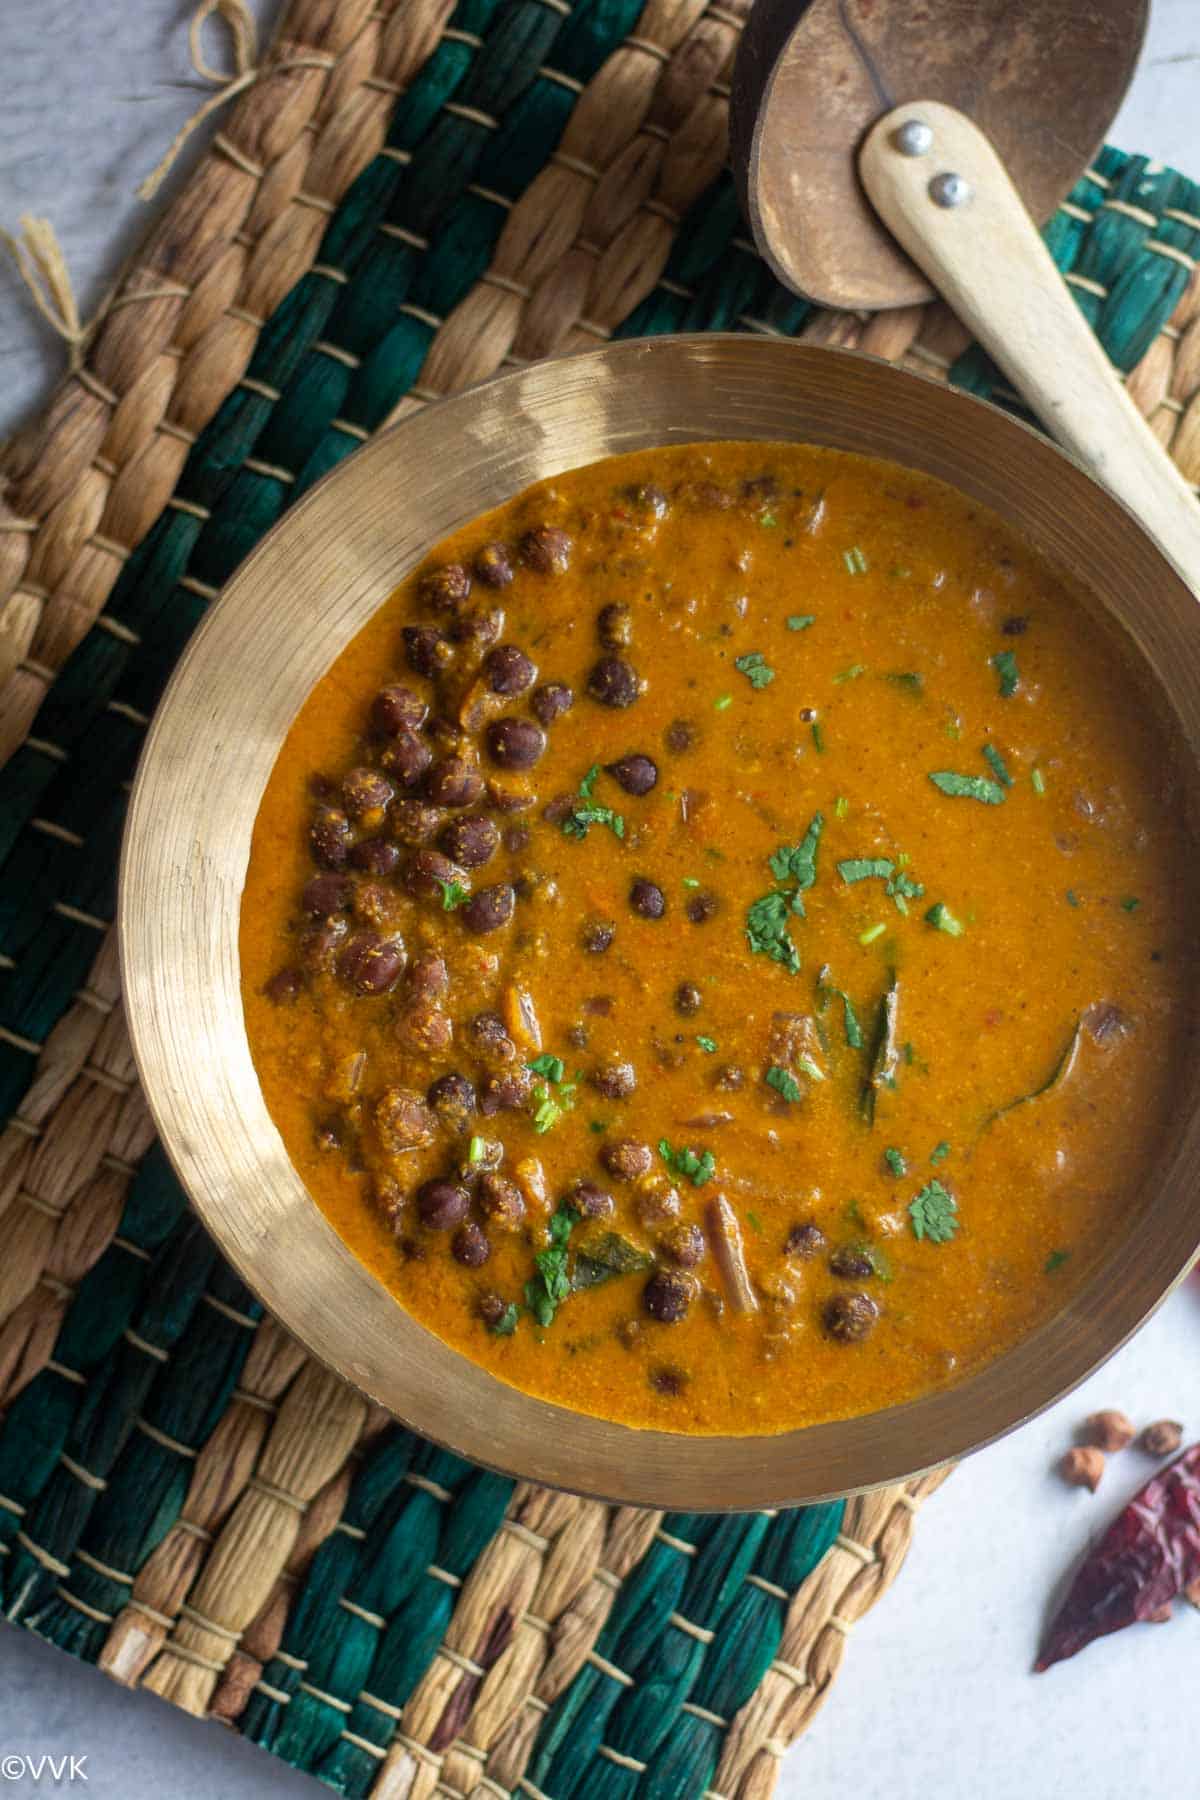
x=626, y=1160
x=470, y=1245
x=406, y=756
x=509, y=670
x=329, y=836
x=490, y=908
x=709, y=497
x=377, y=902
x=680, y=736
x=551, y=701
x=615, y=1080
x=396, y=707
x=370, y=964
x=647, y=898
x=614, y=682
x=804, y=1241
x=442, y=1204
x=702, y=907
x=446, y=588
x=650, y=499
x=491, y=1309
x=1015, y=626
x=577, y=1037
x=470, y=842
x=454, y=782
x=635, y=774
x=688, y=999
x=515, y=743
x=428, y=977
x=493, y=566
x=667, y=1296
x=547, y=549
x=404, y=1121
x=851, y=1264
x=614, y=626
x=516, y=839
x=597, y=935
x=284, y=986
x=508, y=799
x=414, y=821
x=318, y=948
x=489, y=1038
x=501, y=1201
x=476, y=628
x=452, y=1098
x=376, y=856
x=505, y=1093
x=425, y=650
x=424, y=1029
x=426, y=871
x=850, y=1317
x=590, y=1199
x=684, y=1244
x=325, y=895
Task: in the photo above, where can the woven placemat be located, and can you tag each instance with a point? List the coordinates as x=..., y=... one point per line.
x=401, y=201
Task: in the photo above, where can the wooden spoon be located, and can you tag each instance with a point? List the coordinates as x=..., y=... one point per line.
x=934, y=180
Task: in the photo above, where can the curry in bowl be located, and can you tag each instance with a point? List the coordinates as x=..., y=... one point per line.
x=715, y=944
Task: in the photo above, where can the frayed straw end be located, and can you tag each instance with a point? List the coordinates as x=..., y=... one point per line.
x=42, y=266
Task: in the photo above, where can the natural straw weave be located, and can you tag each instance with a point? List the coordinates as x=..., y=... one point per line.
x=186, y=1499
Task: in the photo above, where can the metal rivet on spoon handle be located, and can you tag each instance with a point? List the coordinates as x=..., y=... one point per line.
x=989, y=262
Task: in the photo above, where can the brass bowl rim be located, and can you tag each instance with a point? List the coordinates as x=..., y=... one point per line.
x=428, y=1386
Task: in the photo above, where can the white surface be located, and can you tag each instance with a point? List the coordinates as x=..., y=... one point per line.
x=936, y=1697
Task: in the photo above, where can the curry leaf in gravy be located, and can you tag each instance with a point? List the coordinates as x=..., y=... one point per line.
x=506, y=1324
x=603, y=1258
x=1005, y=664
x=755, y=668
x=968, y=787
x=885, y=1056
x=698, y=1166
x=850, y=674
x=818, y=737
x=908, y=679
x=708, y=1045
x=767, y=932
x=895, y=1161
x=550, y=1285
x=934, y=1213
x=798, y=862
x=998, y=765
x=801, y=621
x=864, y=868
x=784, y=1082
x=940, y=1152
x=1055, y=1260
x=1058, y=1074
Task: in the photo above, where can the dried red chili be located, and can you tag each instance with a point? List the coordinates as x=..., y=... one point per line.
x=1148, y=1555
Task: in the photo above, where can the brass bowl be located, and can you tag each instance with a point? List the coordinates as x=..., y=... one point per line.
x=286, y=615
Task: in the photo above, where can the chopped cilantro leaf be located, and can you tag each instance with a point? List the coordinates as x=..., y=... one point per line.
x=906, y=678
x=550, y=1285
x=1039, y=781
x=798, y=862
x=940, y=1152
x=1005, y=664
x=895, y=1162
x=589, y=781
x=552, y=1067
x=818, y=737
x=453, y=893
x=841, y=806
x=722, y=701
x=690, y=881
x=934, y=1213
x=854, y=1036
x=801, y=621
x=856, y=563
x=708, y=1045
x=576, y=824
x=942, y=919
x=754, y=1222
x=767, y=932
x=1130, y=903
x=506, y=1324
x=784, y=1082
x=755, y=668
x=870, y=934
x=697, y=1166
x=1072, y=897
x=1055, y=1260
x=808, y=1067
x=850, y=674
x=968, y=787
x=999, y=767
x=863, y=868
x=768, y=521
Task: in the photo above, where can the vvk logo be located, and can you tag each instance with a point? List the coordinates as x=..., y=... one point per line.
x=43, y=1768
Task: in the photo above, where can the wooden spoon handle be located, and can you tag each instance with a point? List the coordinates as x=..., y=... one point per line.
x=985, y=256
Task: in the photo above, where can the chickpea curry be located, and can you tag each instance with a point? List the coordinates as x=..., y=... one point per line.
x=716, y=944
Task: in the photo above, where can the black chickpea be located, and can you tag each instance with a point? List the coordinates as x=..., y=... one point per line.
x=395, y=708
x=547, y=549
x=688, y=999
x=614, y=1080
x=647, y=898
x=501, y=1201
x=597, y=936
x=804, y=1241
x=470, y=842
x=370, y=964
x=406, y=756
x=508, y=669
x=614, y=682
x=590, y=1199
x=515, y=743
x=635, y=774
x=441, y=1204
x=470, y=1246
x=684, y=1244
x=425, y=650
x=626, y=1159
x=454, y=782
x=680, y=736
x=325, y=895
x=702, y=907
x=851, y=1264
x=284, y=986
x=614, y=626
x=428, y=977
x=330, y=837
x=505, y=1093
x=375, y=856
x=490, y=908
x=427, y=870
x=445, y=588
x=493, y=566
x=452, y=1097
x=850, y=1317
x=667, y=1296
x=551, y=701
x=414, y=821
